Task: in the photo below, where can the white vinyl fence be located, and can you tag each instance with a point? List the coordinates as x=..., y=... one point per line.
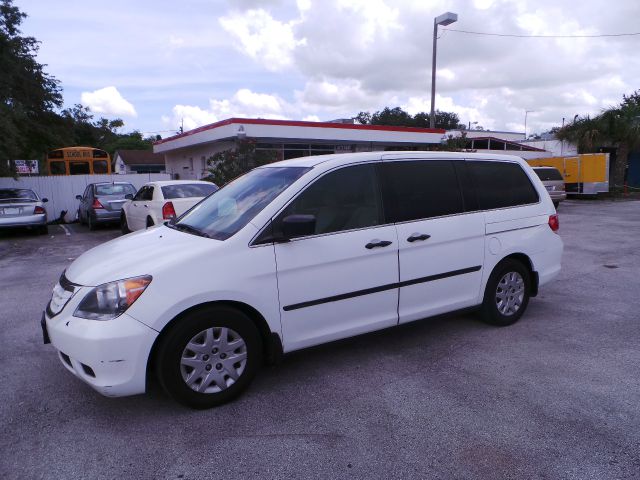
x=62, y=190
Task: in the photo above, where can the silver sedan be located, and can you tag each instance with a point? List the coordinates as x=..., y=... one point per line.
x=22, y=208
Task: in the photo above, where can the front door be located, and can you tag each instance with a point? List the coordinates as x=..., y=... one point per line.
x=342, y=280
x=441, y=242
x=139, y=208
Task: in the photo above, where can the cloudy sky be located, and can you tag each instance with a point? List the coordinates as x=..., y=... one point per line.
x=157, y=63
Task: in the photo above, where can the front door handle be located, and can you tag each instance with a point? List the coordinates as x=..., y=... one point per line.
x=418, y=236
x=377, y=243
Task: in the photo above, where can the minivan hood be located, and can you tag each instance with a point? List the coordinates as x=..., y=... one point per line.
x=141, y=253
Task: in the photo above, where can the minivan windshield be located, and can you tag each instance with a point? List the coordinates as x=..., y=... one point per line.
x=229, y=209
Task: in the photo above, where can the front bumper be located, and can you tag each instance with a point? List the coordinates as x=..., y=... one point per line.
x=111, y=356
x=24, y=221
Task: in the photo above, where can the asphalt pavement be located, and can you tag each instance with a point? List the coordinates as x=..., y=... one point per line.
x=555, y=396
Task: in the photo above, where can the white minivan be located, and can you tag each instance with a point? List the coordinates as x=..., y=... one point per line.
x=298, y=253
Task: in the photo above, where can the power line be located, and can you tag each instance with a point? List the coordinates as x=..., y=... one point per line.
x=542, y=36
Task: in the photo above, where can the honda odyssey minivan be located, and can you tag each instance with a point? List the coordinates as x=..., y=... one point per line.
x=299, y=253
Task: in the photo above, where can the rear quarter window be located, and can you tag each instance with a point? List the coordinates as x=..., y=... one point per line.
x=501, y=184
x=187, y=190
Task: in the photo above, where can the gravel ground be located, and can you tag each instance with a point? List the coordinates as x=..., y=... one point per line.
x=554, y=396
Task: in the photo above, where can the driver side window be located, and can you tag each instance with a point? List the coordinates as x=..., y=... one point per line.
x=345, y=199
x=140, y=195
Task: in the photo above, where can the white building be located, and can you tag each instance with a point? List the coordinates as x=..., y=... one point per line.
x=186, y=154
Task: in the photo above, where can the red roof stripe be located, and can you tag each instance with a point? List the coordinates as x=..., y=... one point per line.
x=299, y=123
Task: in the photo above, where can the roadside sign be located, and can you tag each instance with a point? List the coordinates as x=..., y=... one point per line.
x=26, y=166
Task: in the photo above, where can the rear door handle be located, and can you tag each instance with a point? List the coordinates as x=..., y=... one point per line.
x=418, y=236
x=377, y=243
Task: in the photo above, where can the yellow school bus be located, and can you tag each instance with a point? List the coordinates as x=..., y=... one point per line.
x=584, y=174
x=78, y=161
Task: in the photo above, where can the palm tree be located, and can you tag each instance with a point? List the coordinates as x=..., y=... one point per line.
x=617, y=127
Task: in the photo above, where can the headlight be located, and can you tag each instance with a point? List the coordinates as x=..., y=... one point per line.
x=110, y=300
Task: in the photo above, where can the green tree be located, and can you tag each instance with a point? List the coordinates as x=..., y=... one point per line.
x=617, y=127
x=398, y=117
x=28, y=95
x=229, y=164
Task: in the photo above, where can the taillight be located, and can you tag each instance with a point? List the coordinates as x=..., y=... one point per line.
x=554, y=222
x=38, y=211
x=168, y=212
x=96, y=204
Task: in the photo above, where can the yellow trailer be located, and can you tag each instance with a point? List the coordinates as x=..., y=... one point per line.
x=584, y=174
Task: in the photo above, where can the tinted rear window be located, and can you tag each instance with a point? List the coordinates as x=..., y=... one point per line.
x=501, y=184
x=17, y=193
x=546, y=174
x=115, y=189
x=420, y=189
x=188, y=190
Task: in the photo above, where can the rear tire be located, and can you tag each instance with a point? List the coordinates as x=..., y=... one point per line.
x=43, y=230
x=507, y=293
x=92, y=226
x=556, y=205
x=124, y=226
x=209, y=357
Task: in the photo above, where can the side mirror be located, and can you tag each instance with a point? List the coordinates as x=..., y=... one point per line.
x=298, y=226
x=44, y=200
x=78, y=197
x=128, y=196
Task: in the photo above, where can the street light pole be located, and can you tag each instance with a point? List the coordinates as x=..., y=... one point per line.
x=526, y=112
x=444, y=20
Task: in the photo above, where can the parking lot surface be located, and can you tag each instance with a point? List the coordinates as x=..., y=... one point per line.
x=553, y=396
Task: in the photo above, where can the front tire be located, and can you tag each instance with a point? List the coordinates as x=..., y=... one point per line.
x=209, y=357
x=124, y=226
x=507, y=293
x=150, y=222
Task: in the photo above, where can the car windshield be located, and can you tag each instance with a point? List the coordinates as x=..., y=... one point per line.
x=21, y=194
x=188, y=190
x=115, y=189
x=229, y=209
x=546, y=174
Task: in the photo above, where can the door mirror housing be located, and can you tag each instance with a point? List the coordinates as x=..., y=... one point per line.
x=298, y=226
x=78, y=197
x=128, y=196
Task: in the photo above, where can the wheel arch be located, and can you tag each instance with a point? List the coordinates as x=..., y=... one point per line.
x=526, y=261
x=272, y=343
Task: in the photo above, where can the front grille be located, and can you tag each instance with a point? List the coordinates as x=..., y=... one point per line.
x=62, y=293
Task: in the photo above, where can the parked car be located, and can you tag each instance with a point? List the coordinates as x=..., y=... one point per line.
x=553, y=183
x=102, y=202
x=156, y=202
x=22, y=208
x=299, y=253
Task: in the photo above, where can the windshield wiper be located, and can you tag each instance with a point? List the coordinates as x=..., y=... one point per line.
x=185, y=227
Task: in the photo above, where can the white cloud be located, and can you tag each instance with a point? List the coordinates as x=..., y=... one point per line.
x=108, y=101
x=263, y=38
x=244, y=103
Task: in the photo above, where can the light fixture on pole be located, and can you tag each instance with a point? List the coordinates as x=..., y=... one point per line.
x=444, y=20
